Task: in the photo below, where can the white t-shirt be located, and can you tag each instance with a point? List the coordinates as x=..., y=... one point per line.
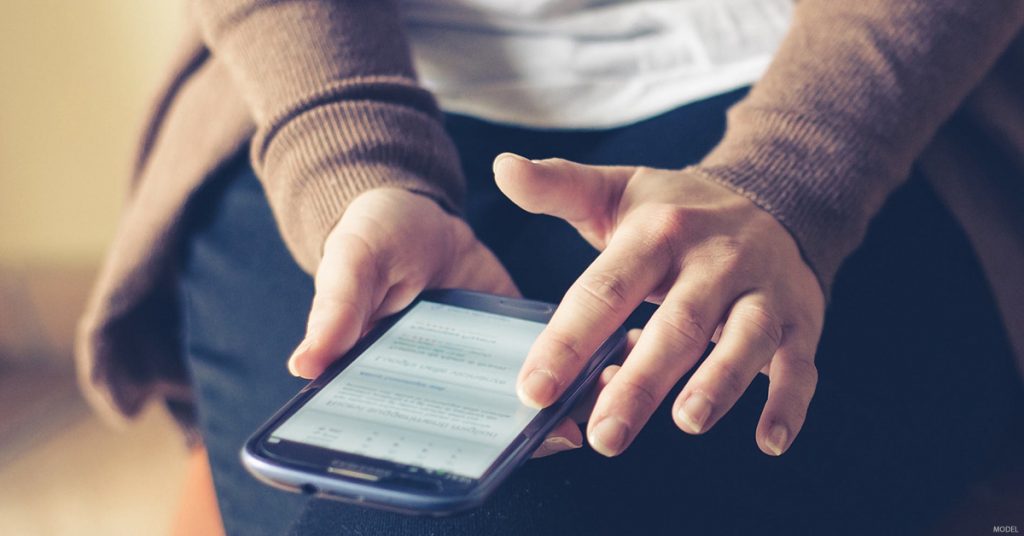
x=588, y=63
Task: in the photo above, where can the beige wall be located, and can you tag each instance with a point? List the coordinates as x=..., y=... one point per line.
x=75, y=80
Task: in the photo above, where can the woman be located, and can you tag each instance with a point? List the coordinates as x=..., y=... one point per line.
x=365, y=184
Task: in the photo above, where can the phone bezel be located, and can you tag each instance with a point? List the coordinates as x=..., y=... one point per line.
x=405, y=488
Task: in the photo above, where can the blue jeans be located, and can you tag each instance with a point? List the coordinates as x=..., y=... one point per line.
x=916, y=395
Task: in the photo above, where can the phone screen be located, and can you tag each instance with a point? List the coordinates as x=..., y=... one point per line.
x=436, y=391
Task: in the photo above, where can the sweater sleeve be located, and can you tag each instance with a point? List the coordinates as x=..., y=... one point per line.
x=853, y=95
x=331, y=87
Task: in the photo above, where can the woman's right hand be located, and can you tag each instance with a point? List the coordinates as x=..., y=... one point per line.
x=389, y=245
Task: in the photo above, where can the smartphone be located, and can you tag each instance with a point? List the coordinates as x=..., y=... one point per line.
x=421, y=416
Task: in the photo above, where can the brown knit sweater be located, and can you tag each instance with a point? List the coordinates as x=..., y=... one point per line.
x=326, y=92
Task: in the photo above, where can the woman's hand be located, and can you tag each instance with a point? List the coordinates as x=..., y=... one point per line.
x=721, y=268
x=389, y=246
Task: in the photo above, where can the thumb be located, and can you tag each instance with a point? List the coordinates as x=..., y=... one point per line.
x=585, y=196
x=348, y=290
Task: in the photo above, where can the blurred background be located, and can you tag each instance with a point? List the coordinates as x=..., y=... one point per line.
x=75, y=81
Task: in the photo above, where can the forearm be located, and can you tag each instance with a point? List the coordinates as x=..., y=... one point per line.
x=338, y=111
x=856, y=91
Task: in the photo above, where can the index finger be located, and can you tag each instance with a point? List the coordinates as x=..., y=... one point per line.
x=621, y=277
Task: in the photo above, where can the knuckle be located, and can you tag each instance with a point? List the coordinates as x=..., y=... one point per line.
x=729, y=255
x=685, y=324
x=800, y=315
x=557, y=161
x=764, y=323
x=639, y=392
x=566, y=346
x=731, y=380
x=604, y=291
x=804, y=372
x=667, y=222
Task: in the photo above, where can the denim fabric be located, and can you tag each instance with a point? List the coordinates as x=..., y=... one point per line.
x=916, y=396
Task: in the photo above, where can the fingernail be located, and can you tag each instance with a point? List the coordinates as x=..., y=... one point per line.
x=695, y=412
x=538, y=389
x=558, y=444
x=554, y=445
x=504, y=156
x=609, y=436
x=776, y=440
x=293, y=367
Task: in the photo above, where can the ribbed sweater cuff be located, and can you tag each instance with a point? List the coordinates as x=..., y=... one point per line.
x=812, y=178
x=365, y=134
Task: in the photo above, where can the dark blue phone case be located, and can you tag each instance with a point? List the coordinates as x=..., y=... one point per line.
x=422, y=494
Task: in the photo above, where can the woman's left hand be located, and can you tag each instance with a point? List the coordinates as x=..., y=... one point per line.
x=721, y=269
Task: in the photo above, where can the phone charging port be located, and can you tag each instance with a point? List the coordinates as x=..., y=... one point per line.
x=308, y=489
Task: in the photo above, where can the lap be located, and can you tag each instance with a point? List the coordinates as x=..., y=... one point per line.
x=244, y=305
x=916, y=376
